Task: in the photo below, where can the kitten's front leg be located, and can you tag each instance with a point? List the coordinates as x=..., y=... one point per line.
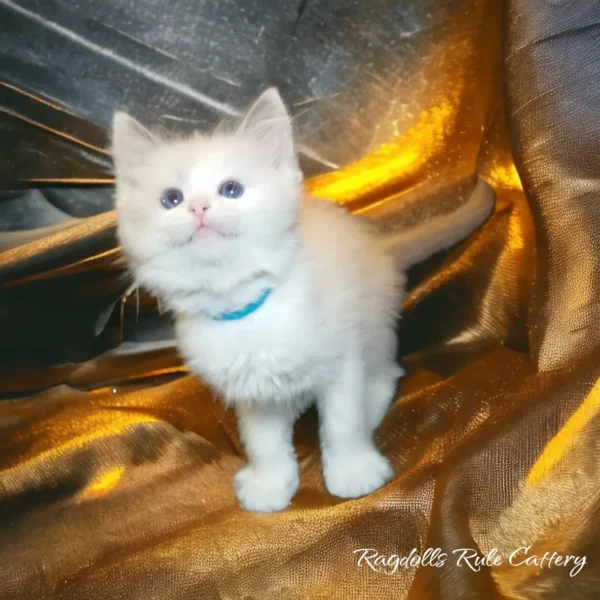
x=352, y=465
x=271, y=478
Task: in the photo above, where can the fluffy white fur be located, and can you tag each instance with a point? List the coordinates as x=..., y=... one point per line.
x=326, y=332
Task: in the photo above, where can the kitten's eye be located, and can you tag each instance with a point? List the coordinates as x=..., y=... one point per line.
x=231, y=189
x=172, y=198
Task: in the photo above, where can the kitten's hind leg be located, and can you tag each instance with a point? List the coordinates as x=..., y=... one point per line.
x=271, y=478
x=380, y=388
x=352, y=465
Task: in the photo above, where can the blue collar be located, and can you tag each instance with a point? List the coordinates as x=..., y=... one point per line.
x=242, y=312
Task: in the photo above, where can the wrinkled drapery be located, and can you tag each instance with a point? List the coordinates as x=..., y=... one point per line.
x=116, y=465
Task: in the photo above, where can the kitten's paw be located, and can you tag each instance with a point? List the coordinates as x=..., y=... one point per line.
x=266, y=488
x=351, y=474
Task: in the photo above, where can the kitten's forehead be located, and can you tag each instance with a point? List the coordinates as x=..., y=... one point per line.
x=204, y=155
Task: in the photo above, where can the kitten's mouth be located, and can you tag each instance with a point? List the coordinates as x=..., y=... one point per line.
x=204, y=231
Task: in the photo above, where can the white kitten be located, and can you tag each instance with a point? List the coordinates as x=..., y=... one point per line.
x=280, y=300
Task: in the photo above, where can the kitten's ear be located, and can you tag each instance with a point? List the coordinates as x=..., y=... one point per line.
x=268, y=122
x=131, y=142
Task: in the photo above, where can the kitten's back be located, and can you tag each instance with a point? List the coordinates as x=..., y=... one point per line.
x=356, y=277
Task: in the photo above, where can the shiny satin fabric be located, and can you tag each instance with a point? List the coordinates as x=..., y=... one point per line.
x=116, y=465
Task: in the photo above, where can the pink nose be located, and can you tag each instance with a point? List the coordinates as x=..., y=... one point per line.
x=198, y=209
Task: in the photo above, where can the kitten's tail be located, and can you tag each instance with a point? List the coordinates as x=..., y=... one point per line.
x=418, y=243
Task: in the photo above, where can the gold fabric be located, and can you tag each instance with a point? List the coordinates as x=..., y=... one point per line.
x=115, y=481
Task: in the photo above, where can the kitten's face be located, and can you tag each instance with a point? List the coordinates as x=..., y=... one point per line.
x=205, y=197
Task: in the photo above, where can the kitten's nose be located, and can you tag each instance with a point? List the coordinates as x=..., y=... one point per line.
x=199, y=208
